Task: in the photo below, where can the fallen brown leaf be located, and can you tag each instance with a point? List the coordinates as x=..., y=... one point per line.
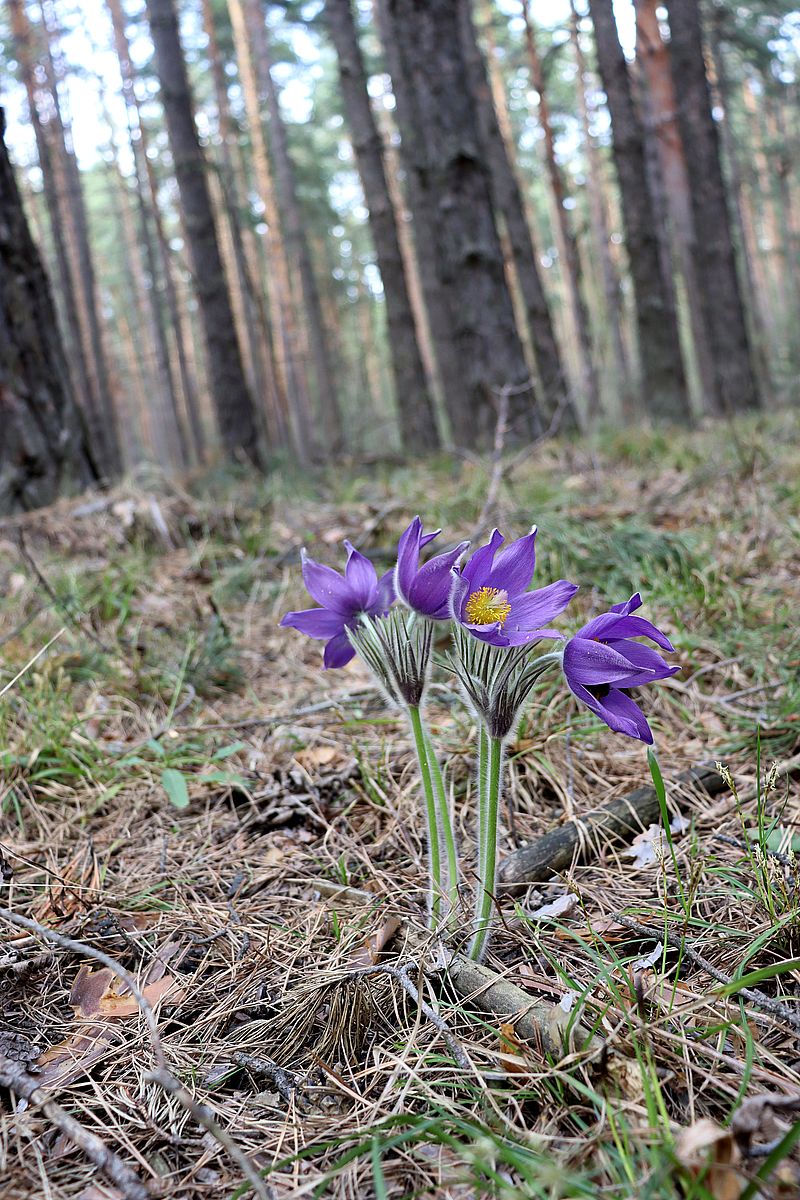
x=368, y=954
x=706, y=1149
x=100, y=993
x=511, y=1043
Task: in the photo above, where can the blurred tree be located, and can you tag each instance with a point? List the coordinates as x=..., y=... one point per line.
x=297, y=245
x=455, y=176
x=43, y=444
x=69, y=228
x=232, y=401
x=663, y=379
x=565, y=238
x=658, y=93
x=735, y=383
x=509, y=203
x=414, y=408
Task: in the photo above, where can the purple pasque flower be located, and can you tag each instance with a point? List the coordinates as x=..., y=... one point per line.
x=425, y=589
x=603, y=661
x=343, y=599
x=490, y=596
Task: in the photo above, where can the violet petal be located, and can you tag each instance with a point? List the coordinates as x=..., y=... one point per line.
x=513, y=567
x=314, y=622
x=338, y=651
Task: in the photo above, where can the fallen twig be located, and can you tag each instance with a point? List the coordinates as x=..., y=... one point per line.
x=754, y=995
x=544, y=1025
x=15, y=1076
x=162, y=1074
x=286, y=1083
x=619, y=820
x=400, y=973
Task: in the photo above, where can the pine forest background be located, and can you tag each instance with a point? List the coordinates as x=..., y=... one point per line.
x=299, y=231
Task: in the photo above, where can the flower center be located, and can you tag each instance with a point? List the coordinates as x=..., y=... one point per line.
x=487, y=606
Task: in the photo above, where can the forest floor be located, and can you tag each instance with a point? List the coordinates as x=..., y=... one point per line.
x=184, y=790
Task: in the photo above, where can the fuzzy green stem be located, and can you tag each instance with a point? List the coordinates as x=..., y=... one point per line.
x=445, y=824
x=483, y=769
x=490, y=806
x=430, y=813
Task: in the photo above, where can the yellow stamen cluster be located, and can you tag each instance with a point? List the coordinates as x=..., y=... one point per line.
x=487, y=606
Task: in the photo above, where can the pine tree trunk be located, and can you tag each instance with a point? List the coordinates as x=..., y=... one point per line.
x=749, y=256
x=415, y=411
x=294, y=231
x=566, y=241
x=106, y=430
x=141, y=269
x=450, y=368
x=67, y=219
x=601, y=234
x=715, y=258
x=232, y=401
x=663, y=378
x=455, y=174
x=509, y=202
x=395, y=180
x=653, y=55
x=284, y=317
x=43, y=445
x=155, y=249
x=256, y=335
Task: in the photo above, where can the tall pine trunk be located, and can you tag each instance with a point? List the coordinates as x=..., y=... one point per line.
x=450, y=367
x=456, y=174
x=508, y=202
x=232, y=401
x=663, y=378
x=256, y=334
x=601, y=234
x=43, y=445
x=106, y=429
x=429, y=40
x=652, y=53
x=749, y=257
x=64, y=199
x=415, y=411
x=566, y=240
x=297, y=245
x=285, y=319
x=735, y=381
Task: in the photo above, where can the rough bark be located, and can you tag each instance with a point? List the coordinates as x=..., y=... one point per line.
x=456, y=178
x=663, y=379
x=566, y=240
x=450, y=369
x=729, y=342
x=42, y=438
x=657, y=84
x=228, y=386
x=508, y=201
x=414, y=408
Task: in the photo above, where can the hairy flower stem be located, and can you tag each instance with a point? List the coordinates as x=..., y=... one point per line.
x=434, y=849
x=445, y=824
x=489, y=785
x=483, y=768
